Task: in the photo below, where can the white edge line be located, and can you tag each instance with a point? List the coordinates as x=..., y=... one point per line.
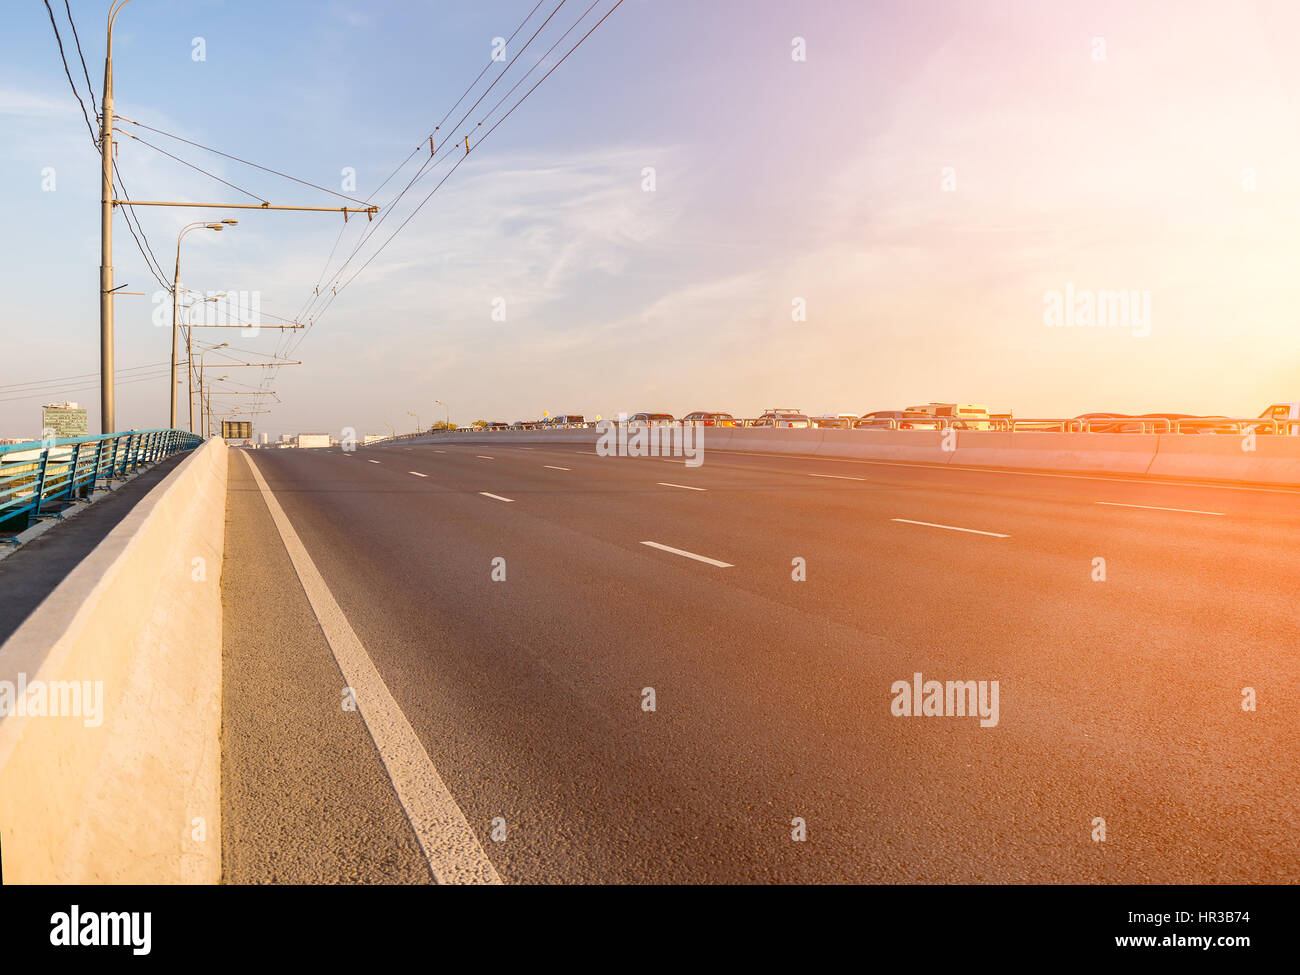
x=552, y=467
x=449, y=844
x=684, y=487
x=417, y=474
x=689, y=555
x=496, y=496
x=1156, y=507
x=951, y=528
x=839, y=477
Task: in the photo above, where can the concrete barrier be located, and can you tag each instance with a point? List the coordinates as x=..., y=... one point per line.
x=778, y=441
x=130, y=795
x=912, y=446
x=1275, y=460
x=1093, y=453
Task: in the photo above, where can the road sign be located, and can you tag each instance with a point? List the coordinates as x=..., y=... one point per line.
x=237, y=429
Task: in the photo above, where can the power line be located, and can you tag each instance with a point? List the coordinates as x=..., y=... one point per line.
x=83, y=387
x=373, y=228
x=522, y=99
x=11, y=387
x=200, y=169
x=265, y=169
x=89, y=87
x=155, y=268
x=77, y=94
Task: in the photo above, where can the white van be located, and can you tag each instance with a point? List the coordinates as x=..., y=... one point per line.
x=965, y=416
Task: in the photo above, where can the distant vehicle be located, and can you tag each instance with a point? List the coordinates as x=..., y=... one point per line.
x=497, y=425
x=903, y=420
x=783, y=418
x=706, y=419
x=652, y=419
x=828, y=421
x=964, y=416
x=1100, y=423
x=467, y=429
x=566, y=420
x=1190, y=423
x=1282, y=411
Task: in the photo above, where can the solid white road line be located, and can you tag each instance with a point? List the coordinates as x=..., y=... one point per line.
x=689, y=555
x=1154, y=507
x=496, y=496
x=684, y=487
x=552, y=467
x=449, y=844
x=417, y=474
x=839, y=477
x=951, y=528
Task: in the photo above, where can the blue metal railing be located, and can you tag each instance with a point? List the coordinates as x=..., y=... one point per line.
x=38, y=479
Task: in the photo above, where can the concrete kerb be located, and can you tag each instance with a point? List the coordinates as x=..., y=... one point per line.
x=132, y=797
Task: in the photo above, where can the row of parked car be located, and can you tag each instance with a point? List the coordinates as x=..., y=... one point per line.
x=1281, y=418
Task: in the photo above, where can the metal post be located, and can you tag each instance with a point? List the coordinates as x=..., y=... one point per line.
x=176, y=284
x=40, y=481
x=106, y=418
x=72, y=470
x=189, y=372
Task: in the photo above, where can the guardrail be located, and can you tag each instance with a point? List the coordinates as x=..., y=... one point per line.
x=46, y=474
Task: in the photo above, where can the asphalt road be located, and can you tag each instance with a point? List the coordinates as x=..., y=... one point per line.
x=1119, y=699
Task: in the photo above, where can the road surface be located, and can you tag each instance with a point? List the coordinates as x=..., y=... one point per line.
x=1119, y=700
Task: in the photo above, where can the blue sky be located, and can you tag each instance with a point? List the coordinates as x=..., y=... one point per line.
x=776, y=179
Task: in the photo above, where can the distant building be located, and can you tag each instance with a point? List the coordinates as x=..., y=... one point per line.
x=313, y=440
x=372, y=438
x=264, y=437
x=66, y=420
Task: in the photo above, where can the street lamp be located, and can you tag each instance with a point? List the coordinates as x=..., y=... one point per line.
x=447, y=408
x=417, y=421
x=202, y=409
x=171, y=394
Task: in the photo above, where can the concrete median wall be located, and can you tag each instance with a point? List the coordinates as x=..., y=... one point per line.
x=130, y=795
x=1093, y=453
x=1275, y=460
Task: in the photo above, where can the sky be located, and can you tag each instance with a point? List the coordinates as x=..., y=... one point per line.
x=855, y=206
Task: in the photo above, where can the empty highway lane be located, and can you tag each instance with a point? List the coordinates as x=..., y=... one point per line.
x=541, y=665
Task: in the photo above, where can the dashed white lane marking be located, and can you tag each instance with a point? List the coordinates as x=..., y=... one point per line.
x=951, y=528
x=448, y=842
x=417, y=474
x=839, y=477
x=484, y=457
x=373, y=461
x=684, y=487
x=1155, y=507
x=689, y=555
x=552, y=467
x=496, y=496
x=440, y=451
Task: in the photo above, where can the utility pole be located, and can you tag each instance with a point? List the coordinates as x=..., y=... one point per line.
x=176, y=285
x=106, y=407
